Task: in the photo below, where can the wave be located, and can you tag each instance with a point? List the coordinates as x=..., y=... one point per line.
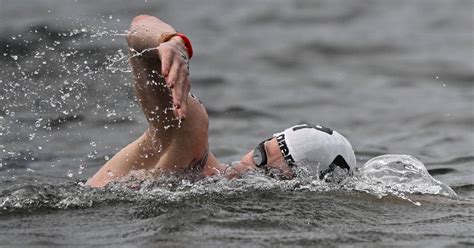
x=399, y=176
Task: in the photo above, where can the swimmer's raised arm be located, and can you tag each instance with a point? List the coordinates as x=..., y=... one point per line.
x=170, y=144
x=146, y=39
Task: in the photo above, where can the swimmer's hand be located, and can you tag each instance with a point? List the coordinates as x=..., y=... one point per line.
x=238, y=169
x=174, y=68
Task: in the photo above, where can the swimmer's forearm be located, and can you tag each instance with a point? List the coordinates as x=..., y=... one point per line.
x=145, y=32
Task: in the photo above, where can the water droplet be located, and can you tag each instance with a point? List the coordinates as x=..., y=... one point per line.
x=39, y=147
x=15, y=57
x=30, y=170
x=92, y=143
x=38, y=122
x=70, y=174
x=106, y=158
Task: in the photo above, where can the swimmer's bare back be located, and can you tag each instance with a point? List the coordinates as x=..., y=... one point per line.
x=176, y=140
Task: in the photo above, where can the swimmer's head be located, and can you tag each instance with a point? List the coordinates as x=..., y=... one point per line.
x=313, y=146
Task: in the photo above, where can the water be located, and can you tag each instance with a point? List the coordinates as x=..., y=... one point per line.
x=393, y=77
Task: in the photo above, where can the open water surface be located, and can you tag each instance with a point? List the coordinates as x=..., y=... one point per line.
x=395, y=77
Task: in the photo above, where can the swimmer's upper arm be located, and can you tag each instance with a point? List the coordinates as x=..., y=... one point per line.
x=140, y=154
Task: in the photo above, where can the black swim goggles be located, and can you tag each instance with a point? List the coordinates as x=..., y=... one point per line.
x=260, y=154
x=260, y=159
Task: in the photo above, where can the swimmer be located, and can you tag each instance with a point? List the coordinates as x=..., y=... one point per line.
x=176, y=141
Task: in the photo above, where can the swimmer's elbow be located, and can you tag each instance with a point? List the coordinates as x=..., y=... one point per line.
x=133, y=34
x=143, y=32
x=137, y=32
x=138, y=20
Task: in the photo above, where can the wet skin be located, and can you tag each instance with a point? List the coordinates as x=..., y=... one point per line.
x=177, y=135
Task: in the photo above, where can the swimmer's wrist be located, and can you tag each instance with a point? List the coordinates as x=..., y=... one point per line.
x=187, y=44
x=181, y=38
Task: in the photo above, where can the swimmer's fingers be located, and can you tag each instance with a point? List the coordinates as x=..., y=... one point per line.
x=179, y=85
x=169, y=53
x=166, y=56
x=174, y=67
x=185, y=93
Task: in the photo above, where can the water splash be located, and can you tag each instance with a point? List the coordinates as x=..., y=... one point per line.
x=398, y=175
x=52, y=78
x=401, y=176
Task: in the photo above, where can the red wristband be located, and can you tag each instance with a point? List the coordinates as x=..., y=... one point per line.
x=187, y=44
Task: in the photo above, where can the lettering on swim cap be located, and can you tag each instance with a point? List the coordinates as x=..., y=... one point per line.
x=284, y=150
x=317, y=127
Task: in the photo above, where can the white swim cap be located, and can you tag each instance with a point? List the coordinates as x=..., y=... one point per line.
x=317, y=146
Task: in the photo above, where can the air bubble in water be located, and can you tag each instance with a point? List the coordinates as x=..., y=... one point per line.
x=70, y=174
x=92, y=143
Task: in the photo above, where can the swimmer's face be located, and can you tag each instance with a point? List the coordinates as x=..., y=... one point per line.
x=276, y=165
